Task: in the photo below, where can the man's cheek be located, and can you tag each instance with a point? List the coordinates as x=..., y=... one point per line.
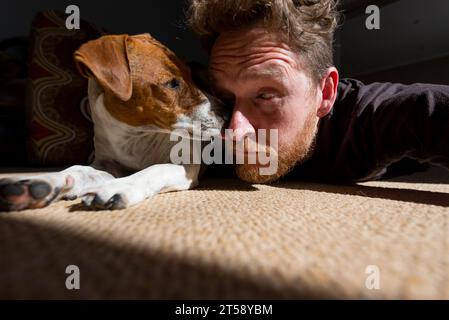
x=285, y=136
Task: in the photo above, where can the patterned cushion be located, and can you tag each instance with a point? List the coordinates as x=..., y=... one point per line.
x=59, y=129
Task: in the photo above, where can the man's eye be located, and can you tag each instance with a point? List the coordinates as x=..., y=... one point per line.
x=266, y=96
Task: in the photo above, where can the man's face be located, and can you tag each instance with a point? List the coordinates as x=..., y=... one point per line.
x=260, y=77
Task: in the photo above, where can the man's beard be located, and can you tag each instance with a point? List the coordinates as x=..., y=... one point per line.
x=289, y=155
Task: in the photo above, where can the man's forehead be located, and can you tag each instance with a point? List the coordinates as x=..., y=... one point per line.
x=268, y=70
x=234, y=44
x=271, y=70
x=268, y=60
x=250, y=55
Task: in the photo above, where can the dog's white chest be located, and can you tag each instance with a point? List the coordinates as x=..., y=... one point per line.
x=133, y=147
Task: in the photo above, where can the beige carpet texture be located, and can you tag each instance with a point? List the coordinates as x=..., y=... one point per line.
x=228, y=239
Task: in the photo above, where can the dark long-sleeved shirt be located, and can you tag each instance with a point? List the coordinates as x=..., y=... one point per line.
x=372, y=126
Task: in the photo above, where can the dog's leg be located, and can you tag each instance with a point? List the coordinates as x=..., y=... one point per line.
x=37, y=191
x=127, y=191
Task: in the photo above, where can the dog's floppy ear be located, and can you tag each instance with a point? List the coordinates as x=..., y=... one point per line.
x=106, y=59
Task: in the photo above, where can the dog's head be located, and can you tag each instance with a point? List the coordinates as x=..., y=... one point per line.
x=144, y=83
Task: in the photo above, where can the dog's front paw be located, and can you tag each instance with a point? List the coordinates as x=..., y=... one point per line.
x=29, y=193
x=102, y=201
x=114, y=195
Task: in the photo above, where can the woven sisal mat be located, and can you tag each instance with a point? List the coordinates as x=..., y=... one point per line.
x=228, y=239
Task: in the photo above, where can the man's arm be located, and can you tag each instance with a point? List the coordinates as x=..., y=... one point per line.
x=372, y=126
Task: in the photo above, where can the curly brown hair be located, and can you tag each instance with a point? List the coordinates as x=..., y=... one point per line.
x=307, y=25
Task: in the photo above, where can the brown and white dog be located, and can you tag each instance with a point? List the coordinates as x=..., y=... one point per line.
x=139, y=92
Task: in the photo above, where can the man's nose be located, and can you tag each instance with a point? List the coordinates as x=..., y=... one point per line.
x=240, y=124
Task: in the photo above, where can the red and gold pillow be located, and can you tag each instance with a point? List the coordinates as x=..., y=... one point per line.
x=59, y=130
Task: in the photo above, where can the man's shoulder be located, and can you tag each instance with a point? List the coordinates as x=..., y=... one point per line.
x=355, y=95
x=349, y=88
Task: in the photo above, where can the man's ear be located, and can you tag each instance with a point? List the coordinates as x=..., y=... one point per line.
x=106, y=59
x=328, y=86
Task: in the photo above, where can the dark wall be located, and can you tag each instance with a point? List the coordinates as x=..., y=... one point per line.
x=162, y=18
x=412, y=44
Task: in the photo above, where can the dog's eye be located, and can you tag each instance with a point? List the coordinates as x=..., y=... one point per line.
x=173, y=83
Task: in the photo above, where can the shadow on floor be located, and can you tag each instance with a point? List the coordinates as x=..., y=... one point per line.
x=399, y=194
x=34, y=258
